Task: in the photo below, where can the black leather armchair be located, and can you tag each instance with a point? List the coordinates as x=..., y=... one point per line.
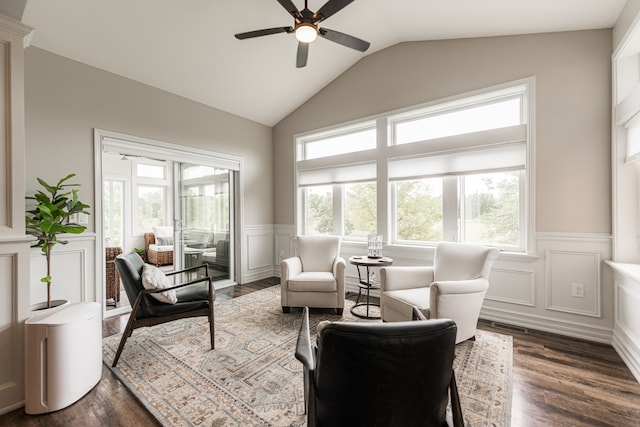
x=380, y=374
x=195, y=298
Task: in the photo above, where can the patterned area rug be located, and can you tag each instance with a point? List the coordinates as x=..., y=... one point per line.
x=252, y=377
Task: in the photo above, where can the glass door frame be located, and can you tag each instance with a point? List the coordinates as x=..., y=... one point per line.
x=179, y=258
x=110, y=141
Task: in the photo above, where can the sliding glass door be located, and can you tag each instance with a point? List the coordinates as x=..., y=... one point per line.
x=204, y=219
x=152, y=188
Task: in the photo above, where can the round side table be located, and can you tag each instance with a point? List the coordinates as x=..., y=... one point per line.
x=367, y=284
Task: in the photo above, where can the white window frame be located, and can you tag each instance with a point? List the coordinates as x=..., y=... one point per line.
x=164, y=184
x=524, y=88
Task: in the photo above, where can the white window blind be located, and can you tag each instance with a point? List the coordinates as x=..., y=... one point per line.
x=337, y=175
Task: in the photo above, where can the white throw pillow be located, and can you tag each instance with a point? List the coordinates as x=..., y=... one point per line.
x=163, y=235
x=154, y=278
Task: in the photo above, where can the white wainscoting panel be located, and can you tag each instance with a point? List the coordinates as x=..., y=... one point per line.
x=284, y=245
x=14, y=310
x=566, y=270
x=257, y=253
x=535, y=291
x=626, y=333
x=72, y=271
x=512, y=286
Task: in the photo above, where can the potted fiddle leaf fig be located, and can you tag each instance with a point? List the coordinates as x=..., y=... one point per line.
x=56, y=206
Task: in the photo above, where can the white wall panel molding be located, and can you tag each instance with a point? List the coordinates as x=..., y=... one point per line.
x=575, y=329
x=14, y=310
x=72, y=270
x=257, y=253
x=626, y=332
x=597, y=238
x=572, y=282
x=512, y=286
x=284, y=241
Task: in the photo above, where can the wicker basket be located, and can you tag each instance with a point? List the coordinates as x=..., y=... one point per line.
x=112, y=275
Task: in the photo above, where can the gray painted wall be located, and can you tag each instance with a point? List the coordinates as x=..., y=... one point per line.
x=573, y=133
x=66, y=100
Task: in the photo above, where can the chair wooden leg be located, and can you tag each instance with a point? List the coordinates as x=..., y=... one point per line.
x=456, y=409
x=126, y=334
x=128, y=330
x=212, y=329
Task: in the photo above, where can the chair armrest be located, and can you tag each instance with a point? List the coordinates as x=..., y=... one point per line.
x=184, y=270
x=417, y=314
x=338, y=267
x=290, y=267
x=178, y=286
x=460, y=286
x=395, y=278
x=304, y=350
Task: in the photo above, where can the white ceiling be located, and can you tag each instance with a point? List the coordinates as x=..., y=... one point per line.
x=187, y=47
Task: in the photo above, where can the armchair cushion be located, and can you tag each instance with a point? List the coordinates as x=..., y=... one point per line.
x=403, y=301
x=154, y=278
x=164, y=235
x=159, y=248
x=313, y=281
x=318, y=253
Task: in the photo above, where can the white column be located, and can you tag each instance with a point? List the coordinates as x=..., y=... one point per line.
x=14, y=244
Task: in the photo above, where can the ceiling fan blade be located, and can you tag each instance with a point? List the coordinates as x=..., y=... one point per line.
x=265, y=32
x=330, y=8
x=344, y=39
x=303, y=53
x=291, y=8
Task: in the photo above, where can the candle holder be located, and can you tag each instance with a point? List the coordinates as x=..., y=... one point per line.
x=374, y=246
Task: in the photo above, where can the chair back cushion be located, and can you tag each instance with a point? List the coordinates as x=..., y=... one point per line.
x=318, y=253
x=393, y=374
x=130, y=268
x=163, y=235
x=462, y=261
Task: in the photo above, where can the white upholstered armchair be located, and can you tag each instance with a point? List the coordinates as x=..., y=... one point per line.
x=453, y=288
x=314, y=278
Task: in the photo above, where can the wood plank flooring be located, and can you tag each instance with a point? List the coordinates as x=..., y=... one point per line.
x=557, y=381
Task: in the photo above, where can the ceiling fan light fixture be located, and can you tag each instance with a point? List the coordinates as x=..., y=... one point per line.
x=306, y=33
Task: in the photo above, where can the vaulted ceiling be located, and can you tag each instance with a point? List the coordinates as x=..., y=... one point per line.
x=187, y=47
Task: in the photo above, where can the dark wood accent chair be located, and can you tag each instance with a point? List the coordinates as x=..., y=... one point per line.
x=382, y=374
x=195, y=298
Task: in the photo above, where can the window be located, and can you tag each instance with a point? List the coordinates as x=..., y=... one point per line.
x=360, y=209
x=151, y=206
x=454, y=170
x=419, y=210
x=318, y=212
x=113, y=209
x=347, y=141
x=150, y=190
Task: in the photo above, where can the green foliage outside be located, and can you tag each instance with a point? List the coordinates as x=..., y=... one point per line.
x=491, y=211
x=360, y=210
x=492, y=216
x=419, y=210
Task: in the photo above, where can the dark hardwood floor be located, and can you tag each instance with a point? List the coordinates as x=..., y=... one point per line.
x=557, y=381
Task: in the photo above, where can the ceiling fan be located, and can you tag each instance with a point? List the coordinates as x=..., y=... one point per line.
x=306, y=28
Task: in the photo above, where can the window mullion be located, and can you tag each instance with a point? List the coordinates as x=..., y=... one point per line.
x=450, y=221
x=338, y=209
